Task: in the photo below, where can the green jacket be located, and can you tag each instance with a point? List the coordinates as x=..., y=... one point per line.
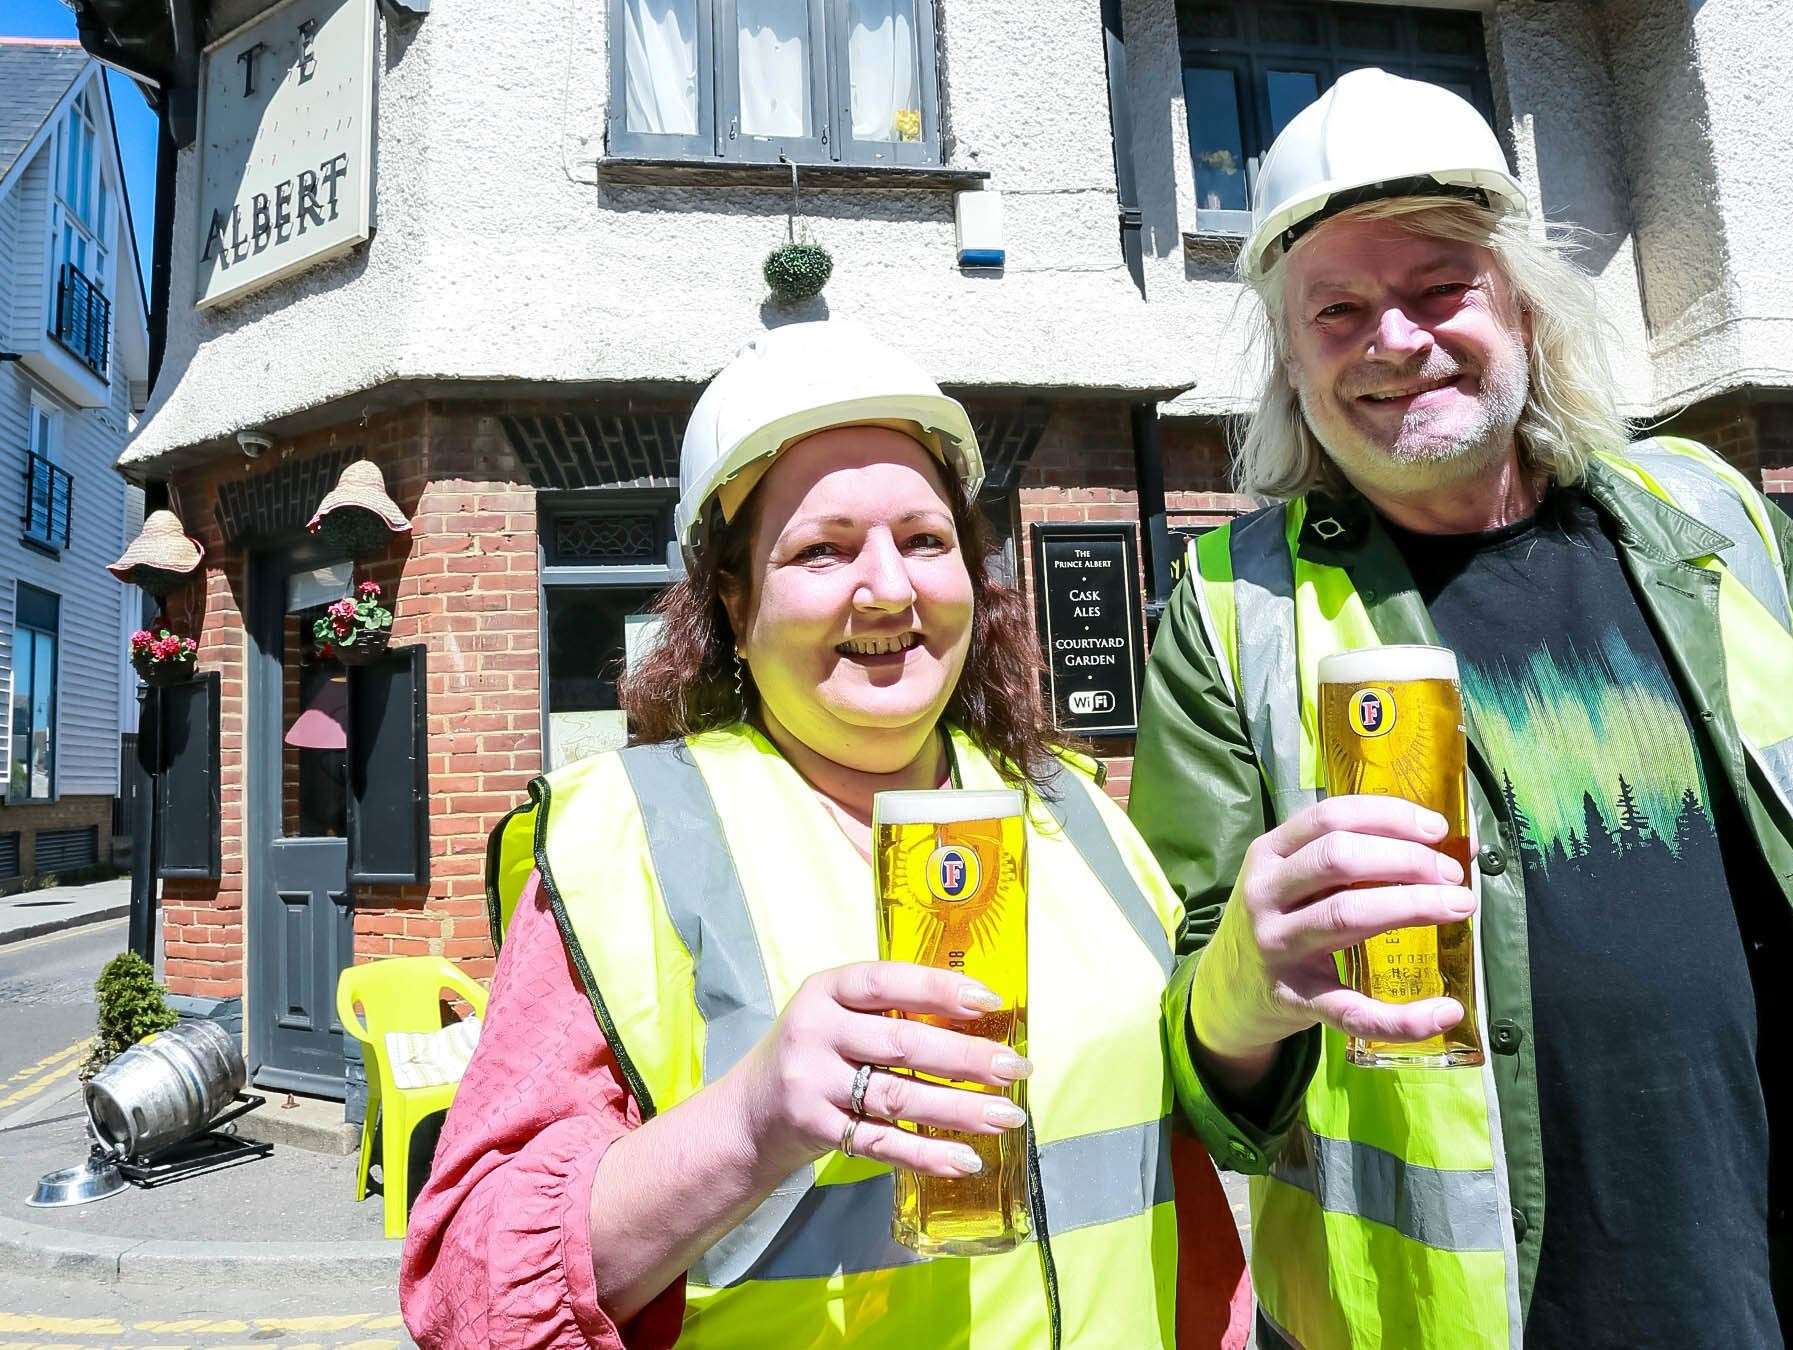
x=1199, y=799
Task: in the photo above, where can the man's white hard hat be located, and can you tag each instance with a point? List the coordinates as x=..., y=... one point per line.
x=794, y=381
x=1373, y=135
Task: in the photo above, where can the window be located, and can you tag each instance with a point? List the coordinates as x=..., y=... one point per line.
x=604, y=562
x=818, y=81
x=1249, y=68
x=49, y=490
x=32, y=756
x=81, y=234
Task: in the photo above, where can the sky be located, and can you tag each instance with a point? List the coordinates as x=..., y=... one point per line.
x=135, y=121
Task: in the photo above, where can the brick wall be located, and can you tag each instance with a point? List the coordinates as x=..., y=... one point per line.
x=1083, y=470
x=463, y=584
x=67, y=813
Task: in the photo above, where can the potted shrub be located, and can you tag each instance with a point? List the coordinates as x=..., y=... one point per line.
x=131, y=1006
x=163, y=658
x=356, y=628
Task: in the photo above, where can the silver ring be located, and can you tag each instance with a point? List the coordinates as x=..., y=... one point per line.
x=861, y=1080
x=846, y=1138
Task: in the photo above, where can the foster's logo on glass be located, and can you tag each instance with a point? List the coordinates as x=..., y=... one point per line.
x=953, y=872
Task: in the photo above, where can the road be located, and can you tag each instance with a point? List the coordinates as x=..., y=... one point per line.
x=47, y=1010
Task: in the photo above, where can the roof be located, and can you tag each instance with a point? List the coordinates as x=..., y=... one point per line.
x=34, y=75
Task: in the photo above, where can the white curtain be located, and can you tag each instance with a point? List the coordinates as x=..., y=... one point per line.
x=660, y=66
x=774, y=44
x=883, y=74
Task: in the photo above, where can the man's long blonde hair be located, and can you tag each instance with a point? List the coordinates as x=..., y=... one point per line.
x=1569, y=409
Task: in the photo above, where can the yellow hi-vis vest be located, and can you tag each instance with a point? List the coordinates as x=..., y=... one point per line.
x=1386, y=1220
x=698, y=883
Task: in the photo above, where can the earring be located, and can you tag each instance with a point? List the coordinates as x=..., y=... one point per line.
x=740, y=692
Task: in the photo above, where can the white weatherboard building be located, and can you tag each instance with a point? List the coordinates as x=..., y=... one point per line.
x=74, y=353
x=496, y=249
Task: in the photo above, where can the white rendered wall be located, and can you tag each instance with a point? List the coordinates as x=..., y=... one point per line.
x=500, y=252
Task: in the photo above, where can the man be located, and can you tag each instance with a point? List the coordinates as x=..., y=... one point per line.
x=1440, y=426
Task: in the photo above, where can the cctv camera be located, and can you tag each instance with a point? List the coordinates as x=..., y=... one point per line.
x=254, y=442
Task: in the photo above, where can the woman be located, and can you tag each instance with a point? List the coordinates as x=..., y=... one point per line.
x=677, y=1126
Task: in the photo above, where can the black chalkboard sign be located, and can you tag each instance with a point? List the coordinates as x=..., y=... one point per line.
x=1087, y=603
x=187, y=796
x=389, y=823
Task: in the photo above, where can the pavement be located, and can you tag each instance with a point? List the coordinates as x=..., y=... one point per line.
x=32, y=914
x=285, y=1221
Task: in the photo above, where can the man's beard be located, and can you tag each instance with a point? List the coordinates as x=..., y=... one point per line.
x=1417, y=458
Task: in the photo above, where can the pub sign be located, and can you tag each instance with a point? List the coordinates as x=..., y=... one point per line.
x=286, y=145
x=1087, y=604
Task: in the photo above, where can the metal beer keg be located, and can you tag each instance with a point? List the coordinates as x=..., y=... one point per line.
x=165, y=1088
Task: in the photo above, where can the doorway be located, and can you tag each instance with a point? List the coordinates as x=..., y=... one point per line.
x=301, y=920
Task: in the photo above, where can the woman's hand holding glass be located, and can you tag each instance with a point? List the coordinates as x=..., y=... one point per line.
x=797, y=1083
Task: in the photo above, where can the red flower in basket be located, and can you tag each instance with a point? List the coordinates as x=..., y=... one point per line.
x=354, y=628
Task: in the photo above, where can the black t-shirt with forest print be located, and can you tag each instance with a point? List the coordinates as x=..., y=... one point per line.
x=1648, y=912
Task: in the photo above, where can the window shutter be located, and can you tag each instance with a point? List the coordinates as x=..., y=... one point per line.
x=186, y=751
x=389, y=835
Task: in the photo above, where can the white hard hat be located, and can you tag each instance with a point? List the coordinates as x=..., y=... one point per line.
x=1373, y=135
x=794, y=381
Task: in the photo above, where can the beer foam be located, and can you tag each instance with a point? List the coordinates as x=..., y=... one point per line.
x=943, y=806
x=1370, y=665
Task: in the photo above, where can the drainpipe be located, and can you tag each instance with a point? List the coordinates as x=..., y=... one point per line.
x=162, y=247
x=1148, y=461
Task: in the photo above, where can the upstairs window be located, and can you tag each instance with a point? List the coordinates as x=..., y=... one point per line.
x=82, y=238
x=1249, y=68
x=817, y=81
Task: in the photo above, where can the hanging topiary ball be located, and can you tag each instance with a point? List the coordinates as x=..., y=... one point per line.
x=798, y=271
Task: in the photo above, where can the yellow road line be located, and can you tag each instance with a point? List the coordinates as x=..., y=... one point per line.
x=48, y=1061
x=16, y=1323
x=193, y=1326
x=48, y=1080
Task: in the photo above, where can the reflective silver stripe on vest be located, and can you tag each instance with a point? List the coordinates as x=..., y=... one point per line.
x=704, y=899
x=1704, y=495
x=703, y=896
x=1098, y=1178
x=1089, y=1179
x=804, y=1231
x=1078, y=817
x=1269, y=689
x=1453, y=1211
x=1777, y=767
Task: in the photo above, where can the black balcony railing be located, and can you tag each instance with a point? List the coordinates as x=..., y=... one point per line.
x=49, y=502
x=83, y=318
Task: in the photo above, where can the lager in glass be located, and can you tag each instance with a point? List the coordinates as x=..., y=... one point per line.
x=1391, y=722
x=951, y=874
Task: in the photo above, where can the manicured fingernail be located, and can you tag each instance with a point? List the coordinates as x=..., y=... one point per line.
x=1005, y=1115
x=1012, y=1067
x=965, y=1159
x=979, y=999
x=1450, y=871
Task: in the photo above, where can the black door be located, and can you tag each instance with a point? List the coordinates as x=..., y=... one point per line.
x=300, y=934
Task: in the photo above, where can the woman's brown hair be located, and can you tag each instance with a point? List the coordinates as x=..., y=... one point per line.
x=686, y=681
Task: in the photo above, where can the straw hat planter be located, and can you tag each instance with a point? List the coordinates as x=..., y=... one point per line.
x=161, y=557
x=357, y=516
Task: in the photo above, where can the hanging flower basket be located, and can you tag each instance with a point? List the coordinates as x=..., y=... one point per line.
x=795, y=272
x=163, y=658
x=356, y=629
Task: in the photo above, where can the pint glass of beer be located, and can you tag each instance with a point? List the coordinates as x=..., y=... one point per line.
x=951, y=873
x=1391, y=722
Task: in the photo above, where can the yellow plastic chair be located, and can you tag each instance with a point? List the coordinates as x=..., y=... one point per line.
x=398, y=993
